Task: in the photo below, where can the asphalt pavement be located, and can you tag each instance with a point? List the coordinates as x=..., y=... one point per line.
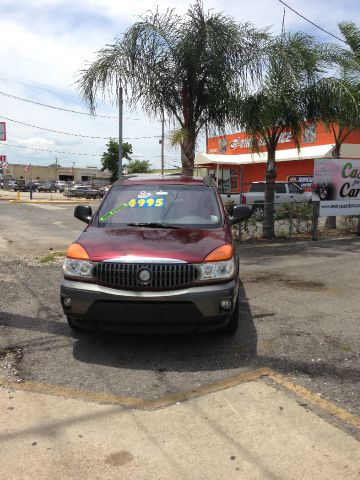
x=299, y=314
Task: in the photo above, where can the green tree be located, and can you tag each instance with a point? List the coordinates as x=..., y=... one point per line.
x=138, y=166
x=110, y=158
x=186, y=67
x=336, y=103
x=293, y=64
x=351, y=58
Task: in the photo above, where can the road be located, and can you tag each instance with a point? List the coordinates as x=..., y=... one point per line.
x=299, y=317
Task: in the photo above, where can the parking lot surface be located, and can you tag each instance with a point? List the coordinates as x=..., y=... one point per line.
x=299, y=315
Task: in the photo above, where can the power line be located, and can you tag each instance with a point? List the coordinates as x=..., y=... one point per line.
x=5, y=94
x=52, y=151
x=70, y=153
x=54, y=107
x=312, y=23
x=72, y=134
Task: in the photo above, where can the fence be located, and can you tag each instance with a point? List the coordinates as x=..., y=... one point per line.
x=294, y=220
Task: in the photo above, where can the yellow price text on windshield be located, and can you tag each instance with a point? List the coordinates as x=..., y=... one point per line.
x=143, y=203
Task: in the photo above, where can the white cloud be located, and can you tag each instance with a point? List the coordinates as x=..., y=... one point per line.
x=34, y=142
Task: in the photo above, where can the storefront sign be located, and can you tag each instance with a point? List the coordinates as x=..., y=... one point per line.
x=303, y=181
x=285, y=137
x=336, y=185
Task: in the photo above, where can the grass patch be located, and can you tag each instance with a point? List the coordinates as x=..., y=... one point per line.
x=51, y=257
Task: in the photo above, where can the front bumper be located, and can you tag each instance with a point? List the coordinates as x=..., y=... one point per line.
x=191, y=309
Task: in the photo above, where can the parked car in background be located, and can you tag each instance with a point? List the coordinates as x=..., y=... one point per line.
x=33, y=185
x=77, y=191
x=94, y=193
x=48, y=186
x=284, y=193
x=20, y=185
x=61, y=185
x=10, y=184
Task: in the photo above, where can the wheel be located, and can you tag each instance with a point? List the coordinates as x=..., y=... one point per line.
x=233, y=324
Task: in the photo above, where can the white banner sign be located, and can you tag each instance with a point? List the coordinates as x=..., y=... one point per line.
x=336, y=185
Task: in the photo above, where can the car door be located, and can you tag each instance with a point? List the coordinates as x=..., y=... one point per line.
x=281, y=195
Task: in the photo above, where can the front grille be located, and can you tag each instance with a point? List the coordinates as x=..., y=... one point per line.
x=163, y=276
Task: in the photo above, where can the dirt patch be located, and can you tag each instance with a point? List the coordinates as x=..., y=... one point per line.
x=118, y=459
x=9, y=364
x=288, y=282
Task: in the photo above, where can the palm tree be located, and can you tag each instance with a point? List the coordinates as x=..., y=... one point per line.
x=351, y=58
x=335, y=101
x=187, y=67
x=294, y=63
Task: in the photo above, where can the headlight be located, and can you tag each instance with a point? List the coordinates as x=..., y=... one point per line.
x=78, y=268
x=217, y=270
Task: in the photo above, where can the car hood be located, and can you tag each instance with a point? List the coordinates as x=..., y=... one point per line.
x=190, y=245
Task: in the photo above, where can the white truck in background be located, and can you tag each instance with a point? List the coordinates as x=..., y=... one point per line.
x=255, y=196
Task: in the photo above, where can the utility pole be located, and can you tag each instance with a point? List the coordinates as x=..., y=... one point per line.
x=120, y=132
x=162, y=143
x=206, y=136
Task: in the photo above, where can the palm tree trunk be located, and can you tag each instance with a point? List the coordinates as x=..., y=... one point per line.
x=187, y=156
x=268, y=223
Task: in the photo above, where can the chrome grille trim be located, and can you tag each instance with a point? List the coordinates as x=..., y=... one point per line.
x=163, y=275
x=136, y=259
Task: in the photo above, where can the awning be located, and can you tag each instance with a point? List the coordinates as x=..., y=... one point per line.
x=319, y=151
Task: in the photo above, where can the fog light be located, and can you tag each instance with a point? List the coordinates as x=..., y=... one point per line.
x=67, y=302
x=226, y=304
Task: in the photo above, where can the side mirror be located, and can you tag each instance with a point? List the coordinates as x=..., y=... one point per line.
x=240, y=213
x=83, y=213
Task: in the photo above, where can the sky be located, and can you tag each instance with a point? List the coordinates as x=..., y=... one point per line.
x=45, y=43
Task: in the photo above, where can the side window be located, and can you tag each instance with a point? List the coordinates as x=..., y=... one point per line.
x=293, y=188
x=257, y=187
x=280, y=188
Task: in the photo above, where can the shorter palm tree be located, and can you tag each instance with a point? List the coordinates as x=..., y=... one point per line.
x=336, y=103
x=350, y=60
x=294, y=63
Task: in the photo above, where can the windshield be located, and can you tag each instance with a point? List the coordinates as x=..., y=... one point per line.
x=160, y=206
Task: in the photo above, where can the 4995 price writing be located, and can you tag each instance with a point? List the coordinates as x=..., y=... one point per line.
x=148, y=202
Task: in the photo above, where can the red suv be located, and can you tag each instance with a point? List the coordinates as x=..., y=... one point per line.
x=158, y=255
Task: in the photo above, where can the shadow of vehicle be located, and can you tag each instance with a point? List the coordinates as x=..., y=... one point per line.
x=196, y=352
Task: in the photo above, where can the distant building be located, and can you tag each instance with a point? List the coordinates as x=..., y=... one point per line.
x=37, y=172
x=231, y=160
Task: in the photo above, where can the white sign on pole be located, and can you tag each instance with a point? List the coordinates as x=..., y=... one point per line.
x=336, y=185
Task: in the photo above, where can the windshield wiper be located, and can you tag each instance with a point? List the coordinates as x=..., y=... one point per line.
x=151, y=225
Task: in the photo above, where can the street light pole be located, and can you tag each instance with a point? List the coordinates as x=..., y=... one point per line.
x=120, y=132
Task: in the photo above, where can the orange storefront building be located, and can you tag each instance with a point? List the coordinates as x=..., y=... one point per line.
x=230, y=158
